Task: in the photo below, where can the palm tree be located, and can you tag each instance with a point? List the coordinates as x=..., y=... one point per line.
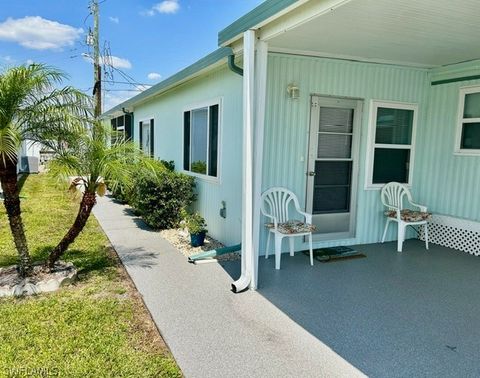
x=94, y=161
x=32, y=108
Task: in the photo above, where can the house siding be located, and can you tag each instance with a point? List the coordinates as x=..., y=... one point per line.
x=167, y=110
x=287, y=123
x=448, y=183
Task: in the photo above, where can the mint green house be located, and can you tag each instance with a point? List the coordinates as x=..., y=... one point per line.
x=330, y=99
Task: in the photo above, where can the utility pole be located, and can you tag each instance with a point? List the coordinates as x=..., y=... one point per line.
x=97, y=69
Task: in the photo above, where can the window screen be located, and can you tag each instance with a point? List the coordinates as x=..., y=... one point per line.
x=469, y=123
x=393, y=137
x=332, y=187
x=471, y=136
x=394, y=126
x=390, y=165
x=200, y=141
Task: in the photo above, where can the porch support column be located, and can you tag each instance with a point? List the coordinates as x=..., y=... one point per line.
x=261, y=58
x=245, y=279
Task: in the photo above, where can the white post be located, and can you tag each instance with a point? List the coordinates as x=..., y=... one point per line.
x=260, y=97
x=245, y=279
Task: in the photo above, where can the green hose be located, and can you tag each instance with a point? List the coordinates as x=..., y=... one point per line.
x=214, y=253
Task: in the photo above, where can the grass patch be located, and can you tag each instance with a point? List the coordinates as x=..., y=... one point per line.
x=95, y=328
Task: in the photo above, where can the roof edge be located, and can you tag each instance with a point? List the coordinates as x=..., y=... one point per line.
x=256, y=16
x=166, y=84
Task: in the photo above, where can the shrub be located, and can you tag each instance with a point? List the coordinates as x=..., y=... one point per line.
x=195, y=223
x=160, y=196
x=124, y=191
x=121, y=192
x=169, y=164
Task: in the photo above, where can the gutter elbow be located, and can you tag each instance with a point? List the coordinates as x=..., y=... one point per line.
x=241, y=284
x=233, y=67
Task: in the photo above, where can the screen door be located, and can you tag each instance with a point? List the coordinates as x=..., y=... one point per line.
x=332, y=166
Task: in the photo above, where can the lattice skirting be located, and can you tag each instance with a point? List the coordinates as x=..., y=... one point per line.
x=455, y=233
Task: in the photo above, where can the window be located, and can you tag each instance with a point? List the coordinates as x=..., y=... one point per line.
x=392, y=135
x=122, y=125
x=146, y=136
x=200, y=140
x=468, y=128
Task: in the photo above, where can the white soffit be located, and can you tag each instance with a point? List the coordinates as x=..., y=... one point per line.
x=424, y=33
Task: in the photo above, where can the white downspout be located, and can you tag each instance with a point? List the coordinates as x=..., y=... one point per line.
x=260, y=98
x=247, y=179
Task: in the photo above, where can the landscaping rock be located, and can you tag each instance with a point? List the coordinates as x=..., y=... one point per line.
x=39, y=282
x=180, y=239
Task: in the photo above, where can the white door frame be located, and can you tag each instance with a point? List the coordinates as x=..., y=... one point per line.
x=330, y=101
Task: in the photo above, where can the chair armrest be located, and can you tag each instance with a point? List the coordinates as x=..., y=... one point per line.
x=421, y=207
x=308, y=217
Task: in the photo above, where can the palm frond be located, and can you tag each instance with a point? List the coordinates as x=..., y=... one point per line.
x=96, y=159
x=9, y=143
x=32, y=107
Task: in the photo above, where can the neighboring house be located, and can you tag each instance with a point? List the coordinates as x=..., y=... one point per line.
x=337, y=98
x=29, y=157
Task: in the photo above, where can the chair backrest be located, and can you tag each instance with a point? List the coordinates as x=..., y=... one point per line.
x=276, y=201
x=392, y=195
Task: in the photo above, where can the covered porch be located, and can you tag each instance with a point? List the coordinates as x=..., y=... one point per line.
x=381, y=62
x=390, y=314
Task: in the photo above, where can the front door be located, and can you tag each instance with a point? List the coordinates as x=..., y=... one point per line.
x=332, y=166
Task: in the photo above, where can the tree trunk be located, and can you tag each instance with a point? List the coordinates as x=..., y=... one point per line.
x=86, y=206
x=9, y=182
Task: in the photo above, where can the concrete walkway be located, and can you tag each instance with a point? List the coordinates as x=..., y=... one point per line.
x=211, y=331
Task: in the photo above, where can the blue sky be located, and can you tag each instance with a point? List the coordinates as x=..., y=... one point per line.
x=148, y=40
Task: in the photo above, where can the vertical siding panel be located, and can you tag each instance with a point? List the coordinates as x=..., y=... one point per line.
x=167, y=110
x=450, y=183
x=282, y=165
x=447, y=183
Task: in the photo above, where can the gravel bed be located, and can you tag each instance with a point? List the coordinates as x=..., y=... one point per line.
x=180, y=239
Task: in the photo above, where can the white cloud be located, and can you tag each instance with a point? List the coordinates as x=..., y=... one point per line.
x=7, y=59
x=166, y=6
x=149, y=12
x=38, y=33
x=154, y=76
x=111, y=99
x=115, y=20
x=113, y=61
x=29, y=62
x=117, y=62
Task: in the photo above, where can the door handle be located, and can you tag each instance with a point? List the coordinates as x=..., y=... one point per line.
x=311, y=173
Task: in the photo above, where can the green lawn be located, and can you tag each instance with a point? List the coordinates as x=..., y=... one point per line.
x=95, y=328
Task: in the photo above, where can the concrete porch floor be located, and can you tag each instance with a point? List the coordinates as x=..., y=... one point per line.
x=409, y=314
x=211, y=331
x=390, y=314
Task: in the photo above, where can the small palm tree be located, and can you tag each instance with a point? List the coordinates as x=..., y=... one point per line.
x=92, y=163
x=31, y=107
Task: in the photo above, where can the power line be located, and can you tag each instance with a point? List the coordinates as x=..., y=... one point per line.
x=122, y=90
x=126, y=82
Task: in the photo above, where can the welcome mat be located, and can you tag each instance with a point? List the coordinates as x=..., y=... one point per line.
x=335, y=254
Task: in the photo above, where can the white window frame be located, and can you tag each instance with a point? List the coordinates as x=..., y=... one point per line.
x=371, y=145
x=458, y=150
x=199, y=105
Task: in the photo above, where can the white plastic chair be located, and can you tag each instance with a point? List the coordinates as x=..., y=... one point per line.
x=275, y=205
x=392, y=197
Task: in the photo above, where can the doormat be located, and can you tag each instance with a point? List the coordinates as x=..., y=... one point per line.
x=335, y=254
